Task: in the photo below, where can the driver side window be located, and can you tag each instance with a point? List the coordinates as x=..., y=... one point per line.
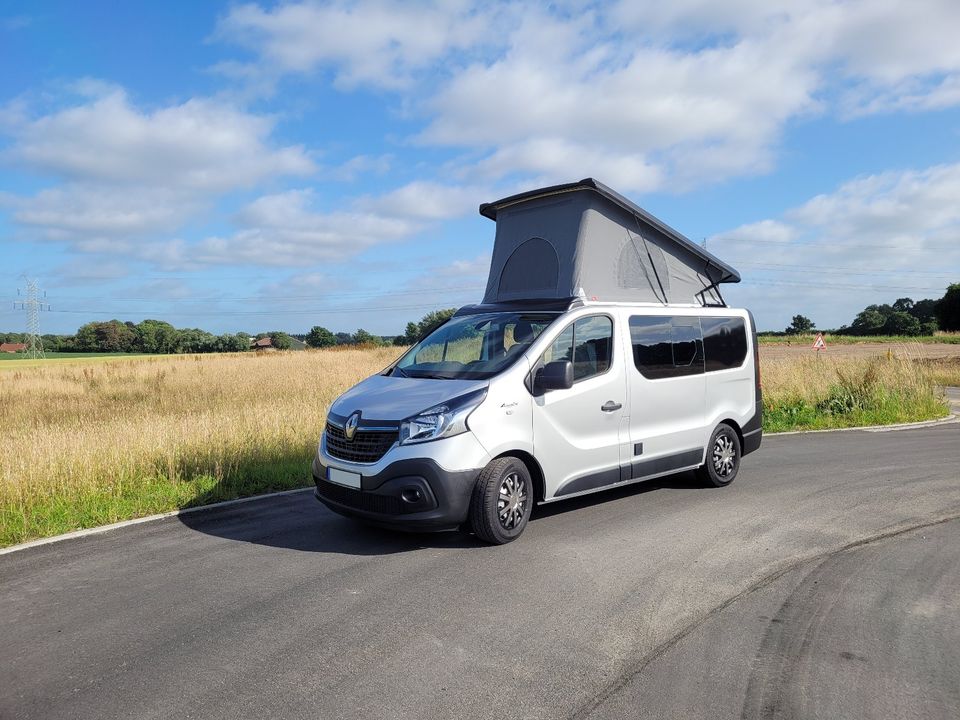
x=587, y=343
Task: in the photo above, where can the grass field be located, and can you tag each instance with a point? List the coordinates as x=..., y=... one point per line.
x=949, y=338
x=88, y=443
x=11, y=361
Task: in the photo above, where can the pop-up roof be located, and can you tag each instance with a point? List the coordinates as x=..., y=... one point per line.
x=584, y=240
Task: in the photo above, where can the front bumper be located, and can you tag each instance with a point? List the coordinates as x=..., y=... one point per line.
x=409, y=494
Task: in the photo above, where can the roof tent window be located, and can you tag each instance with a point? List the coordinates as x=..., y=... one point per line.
x=533, y=266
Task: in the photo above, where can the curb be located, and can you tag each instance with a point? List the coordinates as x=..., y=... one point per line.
x=149, y=518
x=948, y=420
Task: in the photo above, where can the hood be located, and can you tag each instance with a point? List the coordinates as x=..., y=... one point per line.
x=392, y=399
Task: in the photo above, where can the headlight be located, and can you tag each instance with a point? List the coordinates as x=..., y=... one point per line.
x=441, y=421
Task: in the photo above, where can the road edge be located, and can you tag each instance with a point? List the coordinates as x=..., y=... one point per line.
x=952, y=418
x=948, y=420
x=148, y=518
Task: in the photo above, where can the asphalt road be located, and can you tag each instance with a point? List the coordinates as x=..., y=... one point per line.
x=824, y=583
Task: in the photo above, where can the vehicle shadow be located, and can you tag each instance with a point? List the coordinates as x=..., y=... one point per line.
x=296, y=521
x=680, y=481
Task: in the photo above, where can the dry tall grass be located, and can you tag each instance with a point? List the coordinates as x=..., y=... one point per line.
x=92, y=444
x=88, y=444
x=837, y=391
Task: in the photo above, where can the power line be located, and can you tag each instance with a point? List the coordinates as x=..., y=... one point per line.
x=312, y=311
x=263, y=298
x=839, y=286
x=800, y=244
x=775, y=267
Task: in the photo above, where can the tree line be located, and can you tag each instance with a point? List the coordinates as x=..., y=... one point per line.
x=160, y=337
x=147, y=336
x=904, y=317
x=321, y=337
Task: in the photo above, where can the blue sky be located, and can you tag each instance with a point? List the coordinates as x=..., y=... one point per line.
x=279, y=165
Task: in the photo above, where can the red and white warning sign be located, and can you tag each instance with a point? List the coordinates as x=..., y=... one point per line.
x=819, y=344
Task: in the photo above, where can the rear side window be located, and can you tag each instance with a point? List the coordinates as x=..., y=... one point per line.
x=724, y=342
x=587, y=343
x=652, y=339
x=687, y=346
x=665, y=347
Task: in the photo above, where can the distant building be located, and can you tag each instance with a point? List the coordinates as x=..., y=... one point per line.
x=264, y=344
x=12, y=347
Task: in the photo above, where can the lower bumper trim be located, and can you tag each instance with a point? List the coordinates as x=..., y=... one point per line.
x=413, y=494
x=751, y=442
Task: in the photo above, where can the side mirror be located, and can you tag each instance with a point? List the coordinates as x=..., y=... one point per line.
x=556, y=375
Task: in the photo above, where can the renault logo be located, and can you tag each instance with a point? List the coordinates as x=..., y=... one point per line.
x=350, y=427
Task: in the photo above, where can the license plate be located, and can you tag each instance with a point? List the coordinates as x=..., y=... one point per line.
x=341, y=477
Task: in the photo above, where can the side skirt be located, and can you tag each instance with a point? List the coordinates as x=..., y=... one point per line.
x=637, y=471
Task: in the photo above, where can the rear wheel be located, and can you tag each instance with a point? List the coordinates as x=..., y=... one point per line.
x=502, y=501
x=723, y=457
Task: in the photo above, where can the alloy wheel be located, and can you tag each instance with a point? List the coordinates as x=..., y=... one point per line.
x=512, y=501
x=724, y=455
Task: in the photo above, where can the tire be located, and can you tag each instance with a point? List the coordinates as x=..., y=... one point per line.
x=723, y=457
x=502, y=501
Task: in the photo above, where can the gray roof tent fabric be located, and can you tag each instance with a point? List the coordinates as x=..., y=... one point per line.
x=585, y=240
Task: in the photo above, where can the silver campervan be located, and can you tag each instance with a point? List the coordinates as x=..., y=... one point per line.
x=602, y=354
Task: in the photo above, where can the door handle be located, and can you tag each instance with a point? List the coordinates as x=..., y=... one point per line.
x=610, y=406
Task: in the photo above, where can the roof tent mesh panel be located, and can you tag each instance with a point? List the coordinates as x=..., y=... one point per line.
x=642, y=266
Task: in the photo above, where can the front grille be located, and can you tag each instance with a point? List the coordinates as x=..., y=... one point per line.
x=367, y=446
x=383, y=504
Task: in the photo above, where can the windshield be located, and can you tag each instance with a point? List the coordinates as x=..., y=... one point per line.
x=473, y=347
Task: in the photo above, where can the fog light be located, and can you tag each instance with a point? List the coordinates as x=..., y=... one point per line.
x=411, y=495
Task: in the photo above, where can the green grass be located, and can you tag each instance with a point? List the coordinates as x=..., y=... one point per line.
x=144, y=495
x=887, y=409
x=851, y=393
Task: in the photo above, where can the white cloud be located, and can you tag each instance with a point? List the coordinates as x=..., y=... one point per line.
x=637, y=122
x=89, y=211
x=128, y=174
x=359, y=165
x=425, y=200
x=366, y=43
x=285, y=230
x=199, y=145
x=864, y=243
x=643, y=95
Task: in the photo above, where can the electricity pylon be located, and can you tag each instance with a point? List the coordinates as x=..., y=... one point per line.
x=32, y=305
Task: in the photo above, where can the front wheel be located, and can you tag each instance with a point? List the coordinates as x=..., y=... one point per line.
x=723, y=457
x=502, y=501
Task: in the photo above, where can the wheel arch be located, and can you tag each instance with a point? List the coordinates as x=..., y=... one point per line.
x=736, y=428
x=533, y=467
